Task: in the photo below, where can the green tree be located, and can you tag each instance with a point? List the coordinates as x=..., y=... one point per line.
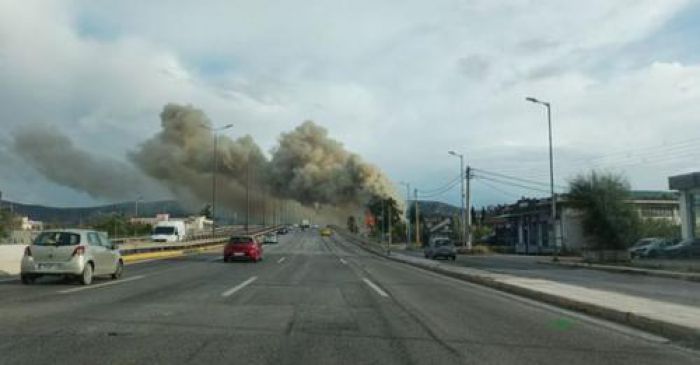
x=8, y=222
x=608, y=220
x=120, y=226
x=380, y=208
x=659, y=228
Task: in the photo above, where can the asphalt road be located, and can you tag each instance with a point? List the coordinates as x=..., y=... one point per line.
x=664, y=289
x=311, y=301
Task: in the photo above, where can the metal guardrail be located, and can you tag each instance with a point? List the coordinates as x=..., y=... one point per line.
x=208, y=240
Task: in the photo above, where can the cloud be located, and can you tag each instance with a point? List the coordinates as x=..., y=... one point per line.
x=390, y=80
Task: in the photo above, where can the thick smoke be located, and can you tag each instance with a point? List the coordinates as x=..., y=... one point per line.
x=307, y=167
x=310, y=167
x=57, y=159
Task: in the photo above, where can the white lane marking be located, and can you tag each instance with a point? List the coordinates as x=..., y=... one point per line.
x=238, y=287
x=8, y=280
x=96, y=286
x=375, y=287
x=281, y=260
x=343, y=261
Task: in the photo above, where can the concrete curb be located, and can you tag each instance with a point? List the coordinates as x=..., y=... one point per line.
x=629, y=270
x=685, y=335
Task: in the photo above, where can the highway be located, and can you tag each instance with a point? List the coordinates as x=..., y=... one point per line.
x=312, y=300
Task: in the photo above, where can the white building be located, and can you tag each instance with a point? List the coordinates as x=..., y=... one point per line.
x=688, y=186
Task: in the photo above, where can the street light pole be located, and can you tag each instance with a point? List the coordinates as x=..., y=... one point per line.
x=464, y=233
x=551, y=174
x=214, y=132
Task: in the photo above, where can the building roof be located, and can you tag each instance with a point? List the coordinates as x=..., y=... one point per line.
x=654, y=195
x=684, y=182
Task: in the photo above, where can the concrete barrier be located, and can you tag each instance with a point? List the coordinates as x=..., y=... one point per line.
x=10, y=258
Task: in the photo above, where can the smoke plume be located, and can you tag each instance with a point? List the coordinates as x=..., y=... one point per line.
x=307, y=169
x=56, y=158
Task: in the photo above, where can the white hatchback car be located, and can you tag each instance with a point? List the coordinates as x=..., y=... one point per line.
x=71, y=252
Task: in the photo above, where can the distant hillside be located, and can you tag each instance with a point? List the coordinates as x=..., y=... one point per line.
x=430, y=208
x=84, y=214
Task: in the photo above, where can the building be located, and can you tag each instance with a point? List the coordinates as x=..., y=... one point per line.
x=525, y=225
x=688, y=186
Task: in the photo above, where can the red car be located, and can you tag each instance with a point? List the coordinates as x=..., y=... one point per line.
x=243, y=248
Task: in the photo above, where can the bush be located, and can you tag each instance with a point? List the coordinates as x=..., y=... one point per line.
x=608, y=220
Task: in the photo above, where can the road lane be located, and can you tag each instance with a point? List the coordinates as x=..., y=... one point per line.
x=316, y=308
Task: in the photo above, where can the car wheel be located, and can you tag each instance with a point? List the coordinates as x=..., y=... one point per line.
x=86, y=276
x=226, y=259
x=454, y=257
x=27, y=279
x=119, y=270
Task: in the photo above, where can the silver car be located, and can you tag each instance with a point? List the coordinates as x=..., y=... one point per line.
x=77, y=253
x=440, y=247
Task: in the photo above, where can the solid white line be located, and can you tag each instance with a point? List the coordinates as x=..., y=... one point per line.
x=96, y=286
x=343, y=261
x=280, y=260
x=8, y=280
x=238, y=287
x=376, y=288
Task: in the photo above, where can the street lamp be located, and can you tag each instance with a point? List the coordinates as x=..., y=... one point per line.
x=464, y=233
x=214, y=132
x=551, y=173
x=408, y=219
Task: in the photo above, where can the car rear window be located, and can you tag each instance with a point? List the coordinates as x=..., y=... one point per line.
x=57, y=239
x=240, y=240
x=443, y=243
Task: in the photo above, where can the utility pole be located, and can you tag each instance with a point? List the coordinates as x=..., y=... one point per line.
x=388, y=251
x=247, y=193
x=381, y=229
x=415, y=197
x=468, y=228
x=408, y=219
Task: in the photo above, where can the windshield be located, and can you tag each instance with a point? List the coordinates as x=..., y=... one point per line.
x=241, y=240
x=164, y=230
x=57, y=239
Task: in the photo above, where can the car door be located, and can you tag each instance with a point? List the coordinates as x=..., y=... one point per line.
x=99, y=253
x=112, y=252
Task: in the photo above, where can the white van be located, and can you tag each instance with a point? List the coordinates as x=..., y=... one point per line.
x=169, y=231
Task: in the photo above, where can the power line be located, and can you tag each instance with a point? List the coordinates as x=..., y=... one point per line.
x=448, y=186
x=499, y=189
x=509, y=183
x=438, y=193
x=509, y=177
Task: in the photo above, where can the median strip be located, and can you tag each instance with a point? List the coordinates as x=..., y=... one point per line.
x=238, y=287
x=97, y=286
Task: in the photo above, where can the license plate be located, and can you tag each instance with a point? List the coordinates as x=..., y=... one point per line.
x=47, y=266
x=238, y=254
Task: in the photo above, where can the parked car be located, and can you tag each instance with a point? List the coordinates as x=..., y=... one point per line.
x=685, y=248
x=243, y=248
x=650, y=247
x=440, y=247
x=283, y=230
x=326, y=232
x=77, y=253
x=270, y=238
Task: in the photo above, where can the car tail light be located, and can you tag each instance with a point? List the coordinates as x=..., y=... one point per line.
x=79, y=251
x=28, y=252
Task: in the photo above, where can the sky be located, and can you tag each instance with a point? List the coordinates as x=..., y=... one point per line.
x=398, y=82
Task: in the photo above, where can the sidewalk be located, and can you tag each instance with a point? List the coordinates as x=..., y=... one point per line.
x=682, y=269
x=645, y=303
x=676, y=321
